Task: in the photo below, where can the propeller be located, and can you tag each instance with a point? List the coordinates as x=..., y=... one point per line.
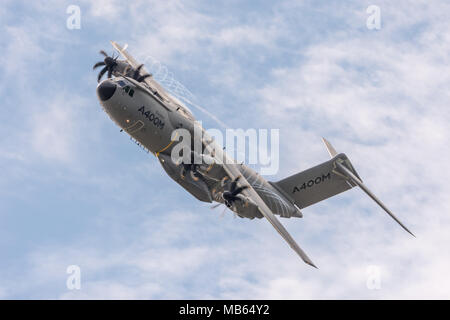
x=137, y=74
x=230, y=196
x=109, y=63
x=222, y=214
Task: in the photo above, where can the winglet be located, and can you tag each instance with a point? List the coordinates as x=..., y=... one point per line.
x=329, y=147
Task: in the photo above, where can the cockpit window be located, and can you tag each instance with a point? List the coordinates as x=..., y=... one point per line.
x=129, y=90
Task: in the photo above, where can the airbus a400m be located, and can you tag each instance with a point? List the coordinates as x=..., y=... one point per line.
x=149, y=114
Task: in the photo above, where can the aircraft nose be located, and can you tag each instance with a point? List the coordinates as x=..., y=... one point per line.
x=106, y=89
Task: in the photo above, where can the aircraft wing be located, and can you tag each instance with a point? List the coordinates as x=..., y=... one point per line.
x=233, y=172
x=149, y=80
x=152, y=83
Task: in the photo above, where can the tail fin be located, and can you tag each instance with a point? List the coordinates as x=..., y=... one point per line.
x=326, y=180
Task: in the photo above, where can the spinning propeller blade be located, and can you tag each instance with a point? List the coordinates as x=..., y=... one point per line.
x=108, y=62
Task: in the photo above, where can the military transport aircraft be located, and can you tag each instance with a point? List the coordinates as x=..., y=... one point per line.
x=141, y=107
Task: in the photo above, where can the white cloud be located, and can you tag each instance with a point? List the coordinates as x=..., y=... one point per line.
x=380, y=97
x=384, y=100
x=109, y=9
x=53, y=132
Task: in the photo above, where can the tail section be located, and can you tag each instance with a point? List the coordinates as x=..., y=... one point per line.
x=318, y=183
x=326, y=180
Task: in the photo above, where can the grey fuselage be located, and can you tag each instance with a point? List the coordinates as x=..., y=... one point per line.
x=150, y=118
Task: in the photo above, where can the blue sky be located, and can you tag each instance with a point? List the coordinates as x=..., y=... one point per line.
x=76, y=191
